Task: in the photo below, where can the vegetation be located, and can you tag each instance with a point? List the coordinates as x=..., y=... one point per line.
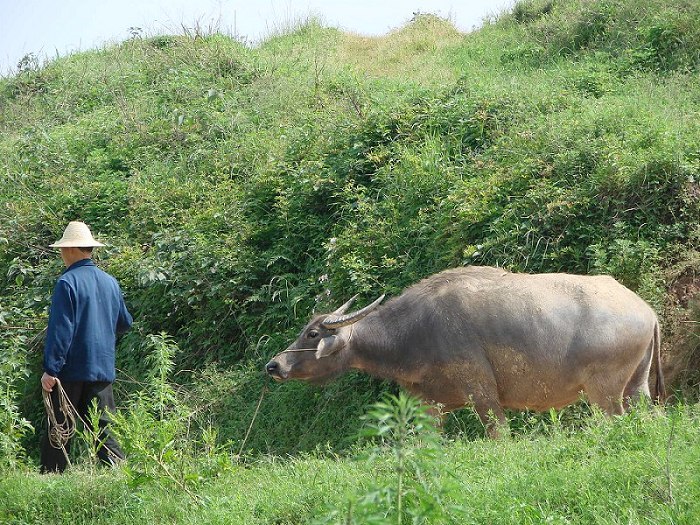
x=640, y=468
x=240, y=188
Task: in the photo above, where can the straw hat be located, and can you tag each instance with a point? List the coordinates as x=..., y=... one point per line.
x=76, y=235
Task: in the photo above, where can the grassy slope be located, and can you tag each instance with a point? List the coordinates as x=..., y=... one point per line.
x=236, y=186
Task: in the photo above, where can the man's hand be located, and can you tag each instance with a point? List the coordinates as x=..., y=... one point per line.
x=48, y=382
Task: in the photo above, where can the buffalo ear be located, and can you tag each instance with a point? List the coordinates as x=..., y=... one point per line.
x=329, y=346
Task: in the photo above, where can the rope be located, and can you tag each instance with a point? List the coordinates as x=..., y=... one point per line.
x=255, y=415
x=60, y=433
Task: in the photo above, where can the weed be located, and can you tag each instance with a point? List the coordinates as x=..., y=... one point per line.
x=408, y=445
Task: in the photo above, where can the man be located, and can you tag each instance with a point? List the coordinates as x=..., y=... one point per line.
x=87, y=313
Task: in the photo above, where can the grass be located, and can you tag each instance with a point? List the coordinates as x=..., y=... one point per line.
x=640, y=468
x=242, y=188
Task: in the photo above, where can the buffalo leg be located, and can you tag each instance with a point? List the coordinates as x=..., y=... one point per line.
x=482, y=392
x=456, y=387
x=638, y=385
x=607, y=394
x=492, y=417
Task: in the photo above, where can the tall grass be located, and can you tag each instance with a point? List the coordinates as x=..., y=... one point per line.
x=638, y=468
x=241, y=188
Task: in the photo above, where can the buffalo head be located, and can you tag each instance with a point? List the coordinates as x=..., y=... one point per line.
x=324, y=337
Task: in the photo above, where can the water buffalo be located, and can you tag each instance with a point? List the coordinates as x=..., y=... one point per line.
x=493, y=339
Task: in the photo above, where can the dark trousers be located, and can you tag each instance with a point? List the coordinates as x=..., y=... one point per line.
x=81, y=394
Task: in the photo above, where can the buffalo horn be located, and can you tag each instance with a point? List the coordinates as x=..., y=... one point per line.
x=336, y=321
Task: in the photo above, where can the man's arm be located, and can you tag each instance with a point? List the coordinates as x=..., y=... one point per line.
x=124, y=320
x=59, y=334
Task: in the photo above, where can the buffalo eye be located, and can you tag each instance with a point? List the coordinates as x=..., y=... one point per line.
x=312, y=334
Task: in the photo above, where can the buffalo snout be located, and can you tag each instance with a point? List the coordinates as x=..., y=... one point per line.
x=273, y=370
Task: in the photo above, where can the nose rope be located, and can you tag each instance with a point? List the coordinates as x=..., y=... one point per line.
x=298, y=350
x=352, y=332
x=255, y=415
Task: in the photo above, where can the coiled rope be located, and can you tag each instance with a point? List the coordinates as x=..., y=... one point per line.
x=60, y=433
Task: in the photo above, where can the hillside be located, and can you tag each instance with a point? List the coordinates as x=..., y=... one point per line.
x=239, y=189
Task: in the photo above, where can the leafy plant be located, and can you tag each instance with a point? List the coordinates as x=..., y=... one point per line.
x=242, y=188
x=13, y=425
x=161, y=433
x=408, y=446
x=634, y=264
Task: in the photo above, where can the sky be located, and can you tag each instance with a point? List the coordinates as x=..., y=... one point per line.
x=49, y=28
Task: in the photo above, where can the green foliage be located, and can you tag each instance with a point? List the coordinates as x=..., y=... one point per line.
x=89, y=435
x=407, y=433
x=13, y=425
x=530, y=10
x=637, y=468
x=240, y=189
x=634, y=264
x=164, y=436
x=652, y=36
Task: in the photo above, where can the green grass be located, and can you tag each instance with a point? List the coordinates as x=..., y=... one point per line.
x=241, y=188
x=640, y=468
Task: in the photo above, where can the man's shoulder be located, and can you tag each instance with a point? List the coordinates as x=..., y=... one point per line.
x=84, y=272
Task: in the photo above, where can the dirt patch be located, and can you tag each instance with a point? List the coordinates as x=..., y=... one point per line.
x=685, y=289
x=681, y=341
x=693, y=190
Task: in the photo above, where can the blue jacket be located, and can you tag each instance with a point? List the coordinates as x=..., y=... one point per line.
x=87, y=312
